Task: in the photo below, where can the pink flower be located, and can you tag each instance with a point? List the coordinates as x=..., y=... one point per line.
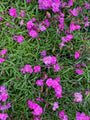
x=28, y=0
x=3, y=51
x=87, y=5
x=56, y=67
x=43, y=53
x=3, y=96
x=3, y=116
x=76, y=55
x=33, y=33
x=40, y=82
x=2, y=60
x=62, y=115
x=78, y=71
x=13, y=12
x=20, y=39
x=74, y=12
x=79, y=8
x=21, y=23
x=37, y=109
x=22, y=13
x=39, y=99
x=54, y=60
x=36, y=118
x=67, y=38
x=70, y=3
x=55, y=106
x=1, y=19
x=30, y=25
x=78, y=97
x=28, y=68
x=37, y=69
x=85, y=18
x=61, y=44
x=42, y=27
x=47, y=60
x=81, y=116
x=83, y=65
x=49, y=82
x=5, y=107
x=57, y=79
x=74, y=27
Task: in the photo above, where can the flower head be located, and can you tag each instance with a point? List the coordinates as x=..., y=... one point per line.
x=74, y=12
x=13, y=12
x=78, y=97
x=20, y=38
x=78, y=71
x=3, y=51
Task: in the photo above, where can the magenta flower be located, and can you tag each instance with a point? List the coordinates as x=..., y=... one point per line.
x=36, y=118
x=30, y=25
x=49, y=82
x=42, y=27
x=3, y=96
x=81, y=116
x=56, y=67
x=2, y=60
x=37, y=69
x=76, y=55
x=28, y=68
x=54, y=60
x=83, y=65
x=3, y=116
x=87, y=5
x=40, y=82
x=62, y=115
x=33, y=33
x=3, y=51
x=67, y=38
x=5, y=107
x=37, y=109
x=43, y=53
x=78, y=97
x=28, y=0
x=57, y=87
x=78, y=71
x=20, y=39
x=13, y=12
x=55, y=106
x=74, y=27
x=21, y=23
x=74, y=12
x=1, y=19
x=39, y=99
x=70, y=3
x=22, y=13
x=47, y=60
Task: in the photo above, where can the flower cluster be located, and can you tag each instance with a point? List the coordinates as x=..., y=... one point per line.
x=82, y=116
x=37, y=109
x=28, y=68
x=55, y=84
x=78, y=97
x=13, y=12
x=3, y=52
x=62, y=115
x=74, y=27
x=3, y=97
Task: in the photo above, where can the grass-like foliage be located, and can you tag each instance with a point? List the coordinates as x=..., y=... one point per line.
x=44, y=40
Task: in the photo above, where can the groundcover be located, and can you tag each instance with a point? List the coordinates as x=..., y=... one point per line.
x=44, y=60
